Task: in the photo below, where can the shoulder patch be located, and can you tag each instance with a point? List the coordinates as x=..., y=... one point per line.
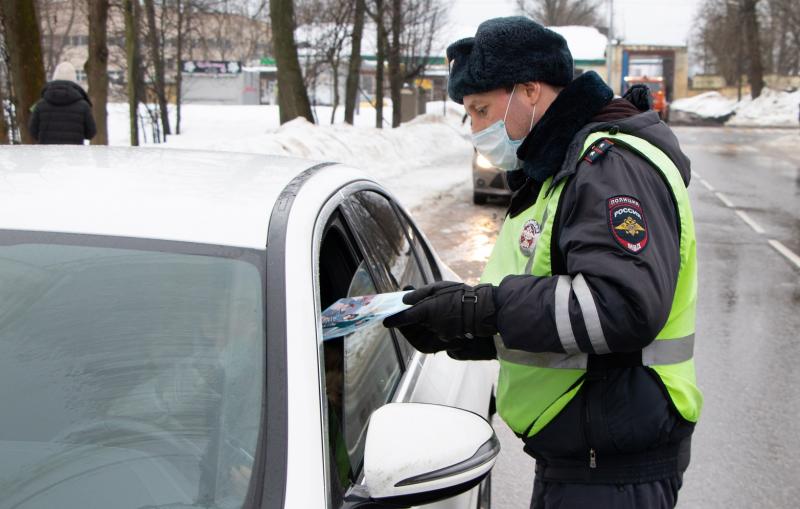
x=627, y=223
x=598, y=150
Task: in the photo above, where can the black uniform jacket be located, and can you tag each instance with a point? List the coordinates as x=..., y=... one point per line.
x=63, y=116
x=620, y=410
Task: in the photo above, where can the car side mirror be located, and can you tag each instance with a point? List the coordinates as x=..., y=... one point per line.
x=418, y=453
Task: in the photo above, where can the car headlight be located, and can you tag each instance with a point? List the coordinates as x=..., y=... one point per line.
x=483, y=162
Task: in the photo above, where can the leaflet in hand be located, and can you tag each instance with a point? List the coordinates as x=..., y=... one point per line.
x=352, y=314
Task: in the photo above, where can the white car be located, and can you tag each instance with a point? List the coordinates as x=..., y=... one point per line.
x=161, y=344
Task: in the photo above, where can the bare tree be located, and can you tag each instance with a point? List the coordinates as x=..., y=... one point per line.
x=394, y=54
x=20, y=23
x=5, y=88
x=748, y=36
x=377, y=11
x=354, y=65
x=183, y=17
x=719, y=34
x=155, y=40
x=133, y=60
x=3, y=125
x=563, y=12
x=755, y=71
x=407, y=43
x=780, y=28
x=97, y=67
x=326, y=34
x=56, y=34
x=339, y=31
x=292, y=94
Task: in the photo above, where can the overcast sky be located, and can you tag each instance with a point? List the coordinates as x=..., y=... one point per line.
x=636, y=21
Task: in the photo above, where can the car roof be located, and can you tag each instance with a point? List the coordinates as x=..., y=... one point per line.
x=206, y=197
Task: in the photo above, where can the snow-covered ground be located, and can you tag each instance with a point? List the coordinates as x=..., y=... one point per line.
x=772, y=108
x=417, y=161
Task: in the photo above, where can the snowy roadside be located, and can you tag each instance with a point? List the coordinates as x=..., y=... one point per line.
x=418, y=161
x=773, y=108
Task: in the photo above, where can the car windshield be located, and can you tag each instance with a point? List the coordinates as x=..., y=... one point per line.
x=129, y=378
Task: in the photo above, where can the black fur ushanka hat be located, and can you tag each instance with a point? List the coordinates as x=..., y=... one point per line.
x=504, y=52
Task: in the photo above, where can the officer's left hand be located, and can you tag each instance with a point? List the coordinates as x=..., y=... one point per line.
x=445, y=314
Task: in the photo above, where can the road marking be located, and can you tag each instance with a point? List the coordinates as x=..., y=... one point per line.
x=785, y=251
x=707, y=185
x=696, y=174
x=724, y=199
x=747, y=219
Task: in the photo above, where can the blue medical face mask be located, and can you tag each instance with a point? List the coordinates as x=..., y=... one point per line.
x=496, y=145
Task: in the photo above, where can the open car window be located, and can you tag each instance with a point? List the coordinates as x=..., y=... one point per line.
x=362, y=370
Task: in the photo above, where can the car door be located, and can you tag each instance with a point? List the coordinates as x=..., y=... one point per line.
x=362, y=371
x=369, y=245
x=399, y=257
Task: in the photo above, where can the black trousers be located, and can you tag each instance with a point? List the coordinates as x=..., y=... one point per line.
x=653, y=495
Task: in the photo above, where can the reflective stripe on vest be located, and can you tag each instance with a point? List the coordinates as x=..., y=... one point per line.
x=663, y=351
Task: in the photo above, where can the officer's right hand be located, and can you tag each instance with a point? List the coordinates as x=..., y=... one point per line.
x=435, y=322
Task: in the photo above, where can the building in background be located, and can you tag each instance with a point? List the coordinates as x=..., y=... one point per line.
x=215, y=38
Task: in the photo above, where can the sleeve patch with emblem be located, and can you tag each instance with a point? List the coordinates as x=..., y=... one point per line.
x=627, y=223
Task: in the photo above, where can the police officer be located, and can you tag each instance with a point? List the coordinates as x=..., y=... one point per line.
x=588, y=299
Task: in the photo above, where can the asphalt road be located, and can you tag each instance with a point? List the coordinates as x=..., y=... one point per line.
x=746, y=198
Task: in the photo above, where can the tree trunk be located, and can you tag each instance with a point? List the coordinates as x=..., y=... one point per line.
x=26, y=65
x=132, y=60
x=755, y=70
x=335, y=91
x=395, y=72
x=780, y=64
x=97, y=68
x=354, y=67
x=3, y=124
x=381, y=58
x=292, y=95
x=158, y=65
x=183, y=17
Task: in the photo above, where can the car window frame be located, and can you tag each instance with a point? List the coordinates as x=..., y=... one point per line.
x=411, y=371
x=333, y=212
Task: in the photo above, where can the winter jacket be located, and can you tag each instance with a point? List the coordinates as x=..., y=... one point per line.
x=63, y=116
x=632, y=415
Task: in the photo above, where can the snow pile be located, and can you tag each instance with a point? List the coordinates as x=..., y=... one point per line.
x=772, y=108
x=706, y=108
x=416, y=161
x=426, y=140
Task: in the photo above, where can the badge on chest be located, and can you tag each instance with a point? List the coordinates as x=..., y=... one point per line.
x=530, y=234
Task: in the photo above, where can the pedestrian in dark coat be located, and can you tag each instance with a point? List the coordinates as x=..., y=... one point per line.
x=63, y=116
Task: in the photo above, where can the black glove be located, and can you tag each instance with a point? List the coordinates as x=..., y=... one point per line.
x=639, y=96
x=478, y=349
x=445, y=315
